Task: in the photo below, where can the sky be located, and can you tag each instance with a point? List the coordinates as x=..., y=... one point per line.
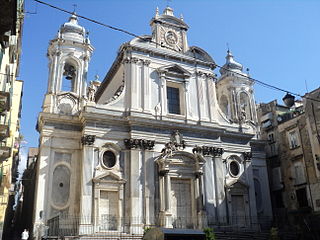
x=277, y=40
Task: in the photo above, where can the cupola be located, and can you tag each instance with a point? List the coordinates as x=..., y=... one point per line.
x=71, y=30
x=231, y=65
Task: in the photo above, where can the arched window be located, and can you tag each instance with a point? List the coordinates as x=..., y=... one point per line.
x=225, y=106
x=68, y=78
x=245, y=108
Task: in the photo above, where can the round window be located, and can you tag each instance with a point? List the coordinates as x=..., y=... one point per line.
x=234, y=168
x=109, y=159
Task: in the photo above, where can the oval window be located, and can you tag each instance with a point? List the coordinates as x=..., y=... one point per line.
x=109, y=159
x=234, y=168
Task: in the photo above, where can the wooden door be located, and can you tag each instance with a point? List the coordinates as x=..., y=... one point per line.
x=108, y=210
x=238, y=210
x=181, y=203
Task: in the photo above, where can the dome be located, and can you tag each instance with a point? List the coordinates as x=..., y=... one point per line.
x=72, y=27
x=231, y=65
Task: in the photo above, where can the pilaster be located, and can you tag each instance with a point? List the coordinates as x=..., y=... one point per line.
x=136, y=188
x=86, y=211
x=146, y=93
x=251, y=190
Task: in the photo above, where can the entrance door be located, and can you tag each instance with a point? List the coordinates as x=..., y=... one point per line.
x=238, y=210
x=108, y=210
x=181, y=207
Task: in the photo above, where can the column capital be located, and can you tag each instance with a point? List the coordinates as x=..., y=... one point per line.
x=88, y=139
x=208, y=151
x=247, y=156
x=132, y=143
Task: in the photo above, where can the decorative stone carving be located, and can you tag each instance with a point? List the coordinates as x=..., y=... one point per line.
x=247, y=155
x=117, y=93
x=88, y=139
x=208, y=151
x=132, y=143
x=136, y=61
x=163, y=172
x=177, y=140
x=66, y=105
x=205, y=75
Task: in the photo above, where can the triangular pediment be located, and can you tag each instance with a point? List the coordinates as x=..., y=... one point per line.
x=239, y=184
x=174, y=70
x=108, y=177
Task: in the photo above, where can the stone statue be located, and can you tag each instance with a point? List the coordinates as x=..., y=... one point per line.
x=91, y=92
x=243, y=114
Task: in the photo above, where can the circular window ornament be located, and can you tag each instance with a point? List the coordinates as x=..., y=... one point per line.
x=109, y=159
x=234, y=168
x=171, y=38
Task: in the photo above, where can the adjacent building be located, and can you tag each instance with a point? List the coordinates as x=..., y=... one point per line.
x=292, y=154
x=11, y=21
x=161, y=141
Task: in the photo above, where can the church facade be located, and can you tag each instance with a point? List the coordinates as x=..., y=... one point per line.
x=161, y=141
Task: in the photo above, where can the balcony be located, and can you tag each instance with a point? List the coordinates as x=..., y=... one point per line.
x=5, y=93
x=5, y=151
x=4, y=127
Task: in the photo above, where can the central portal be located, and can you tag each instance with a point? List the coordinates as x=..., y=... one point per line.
x=181, y=205
x=108, y=210
x=238, y=210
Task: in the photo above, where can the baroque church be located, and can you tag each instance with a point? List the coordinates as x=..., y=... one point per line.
x=161, y=141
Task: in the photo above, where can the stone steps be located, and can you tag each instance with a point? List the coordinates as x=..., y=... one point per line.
x=242, y=235
x=116, y=236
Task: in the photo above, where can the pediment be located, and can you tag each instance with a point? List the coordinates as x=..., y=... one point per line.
x=174, y=70
x=237, y=184
x=108, y=177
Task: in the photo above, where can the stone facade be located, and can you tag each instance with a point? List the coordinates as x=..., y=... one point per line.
x=160, y=142
x=292, y=160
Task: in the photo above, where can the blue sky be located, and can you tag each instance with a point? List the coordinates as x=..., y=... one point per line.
x=277, y=40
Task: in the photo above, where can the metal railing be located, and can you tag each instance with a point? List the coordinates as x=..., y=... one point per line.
x=112, y=226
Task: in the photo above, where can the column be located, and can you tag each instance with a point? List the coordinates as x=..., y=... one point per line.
x=135, y=85
x=136, y=192
x=86, y=197
x=219, y=174
x=209, y=181
x=146, y=93
x=187, y=99
x=199, y=198
x=211, y=97
x=251, y=193
x=163, y=95
x=127, y=82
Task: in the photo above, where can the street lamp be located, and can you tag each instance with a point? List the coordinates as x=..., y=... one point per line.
x=288, y=100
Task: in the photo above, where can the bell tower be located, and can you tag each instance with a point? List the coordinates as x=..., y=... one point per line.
x=235, y=92
x=69, y=54
x=169, y=31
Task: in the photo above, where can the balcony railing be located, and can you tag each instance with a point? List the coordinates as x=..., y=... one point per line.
x=4, y=127
x=5, y=93
x=5, y=151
